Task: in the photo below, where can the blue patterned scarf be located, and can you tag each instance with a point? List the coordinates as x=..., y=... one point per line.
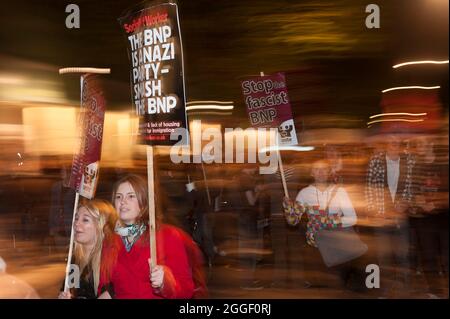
x=130, y=234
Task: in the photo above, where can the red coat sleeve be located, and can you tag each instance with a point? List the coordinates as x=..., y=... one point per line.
x=178, y=282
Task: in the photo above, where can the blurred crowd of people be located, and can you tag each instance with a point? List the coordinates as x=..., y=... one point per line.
x=344, y=207
x=393, y=206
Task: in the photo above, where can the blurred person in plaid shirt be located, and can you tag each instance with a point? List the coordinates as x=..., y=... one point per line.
x=388, y=196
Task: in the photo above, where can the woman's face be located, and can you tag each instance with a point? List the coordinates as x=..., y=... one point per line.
x=126, y=203
x=320, y=172
x=85, y=227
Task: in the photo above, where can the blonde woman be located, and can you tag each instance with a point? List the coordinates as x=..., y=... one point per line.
x=94, y=229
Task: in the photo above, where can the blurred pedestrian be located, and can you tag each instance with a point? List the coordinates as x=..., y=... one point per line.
x=388, y=197
x=246, y=203
x=286, y=240
x=327, y=206
x=431, y=212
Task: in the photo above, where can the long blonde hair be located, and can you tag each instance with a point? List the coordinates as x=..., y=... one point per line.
x=105, y=218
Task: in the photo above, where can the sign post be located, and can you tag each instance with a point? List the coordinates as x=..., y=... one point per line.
x=151, y=203
x=268, y=106
x=86, y=162
x=157, y=85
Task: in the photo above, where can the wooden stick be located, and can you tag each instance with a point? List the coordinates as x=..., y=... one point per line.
x=77, y=195
x=280, y=163
x=84, y=70
x=283, y=178
x=69, y=257
x=151, y=207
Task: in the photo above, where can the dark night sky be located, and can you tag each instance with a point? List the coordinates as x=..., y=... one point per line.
x=334, y=64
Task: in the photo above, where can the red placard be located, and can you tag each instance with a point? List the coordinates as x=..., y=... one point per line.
x=85, y=165
x=267, y=103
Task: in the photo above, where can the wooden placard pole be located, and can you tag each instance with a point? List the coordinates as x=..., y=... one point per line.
x=151, y=207
x=280, y=164
x=283, y=178
x=69, y=256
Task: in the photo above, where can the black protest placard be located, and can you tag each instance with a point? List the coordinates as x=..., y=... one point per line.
x=157, y=75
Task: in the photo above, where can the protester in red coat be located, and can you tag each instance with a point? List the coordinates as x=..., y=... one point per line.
x=131, y=277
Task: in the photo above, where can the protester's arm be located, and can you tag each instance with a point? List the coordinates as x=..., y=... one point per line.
x=177, y=281
x=296, y=207
x=348, y=217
